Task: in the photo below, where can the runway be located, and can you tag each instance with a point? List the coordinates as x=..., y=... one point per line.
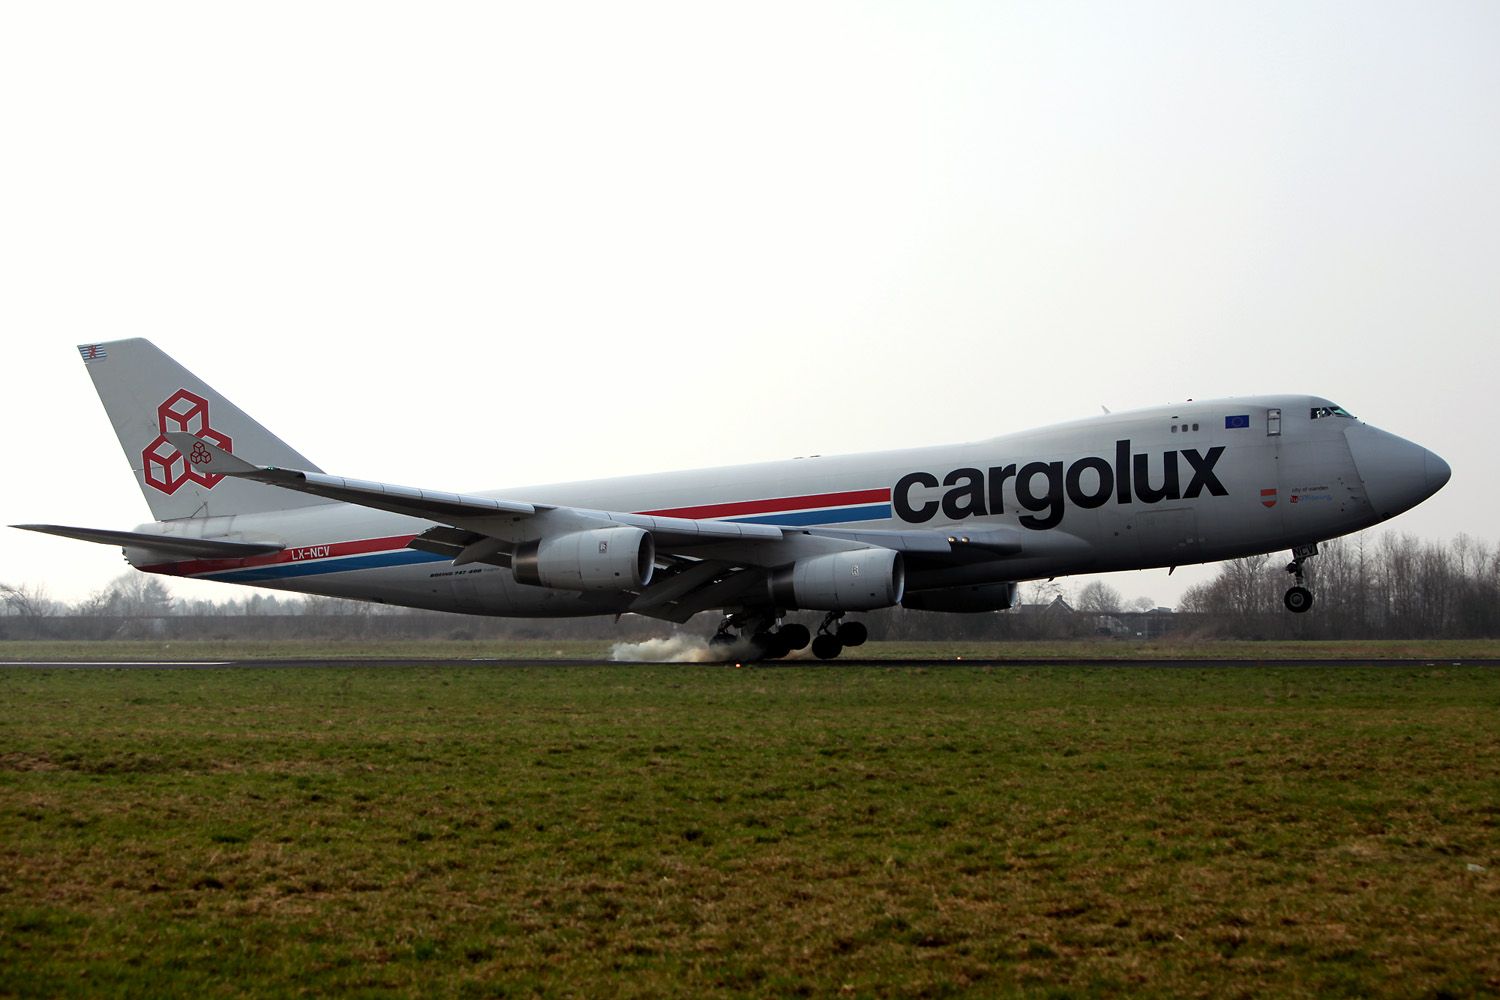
x=312, y=663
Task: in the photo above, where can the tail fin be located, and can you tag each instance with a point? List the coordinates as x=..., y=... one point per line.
x=147, y=395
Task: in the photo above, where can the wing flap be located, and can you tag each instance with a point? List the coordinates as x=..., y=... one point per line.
x=686, y=532
x=987, y=543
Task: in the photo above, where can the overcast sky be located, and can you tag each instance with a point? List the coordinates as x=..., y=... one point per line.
x=475, y=246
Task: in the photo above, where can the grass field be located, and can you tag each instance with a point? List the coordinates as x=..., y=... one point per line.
x=686, y=830
x=596, y=649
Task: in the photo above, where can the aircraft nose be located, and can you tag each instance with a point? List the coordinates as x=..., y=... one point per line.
x=1438, y=473
x=1398, y=474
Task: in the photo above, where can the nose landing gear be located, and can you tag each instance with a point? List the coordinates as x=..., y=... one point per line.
x=1299, y=599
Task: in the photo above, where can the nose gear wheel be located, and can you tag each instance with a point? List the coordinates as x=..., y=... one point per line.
x=1299, y=599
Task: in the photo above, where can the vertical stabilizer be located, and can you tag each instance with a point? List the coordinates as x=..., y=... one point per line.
x=148, y=395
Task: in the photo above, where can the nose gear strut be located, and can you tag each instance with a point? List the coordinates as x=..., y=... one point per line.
x=1299, y=599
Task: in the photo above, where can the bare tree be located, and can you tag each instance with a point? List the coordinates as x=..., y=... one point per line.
x=136, y=595
x=28, y=601
x=1042, y=592
x=1381, y=586
x=327, y=607
x=1099, y=598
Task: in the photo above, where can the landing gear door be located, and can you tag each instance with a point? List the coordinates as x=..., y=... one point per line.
x=1273, y=422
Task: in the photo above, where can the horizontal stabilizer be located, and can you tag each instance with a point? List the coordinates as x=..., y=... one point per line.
x=201, y=548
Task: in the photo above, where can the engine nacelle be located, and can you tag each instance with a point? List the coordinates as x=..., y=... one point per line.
x=603, y=559
x=843, y=581
x=963, y=600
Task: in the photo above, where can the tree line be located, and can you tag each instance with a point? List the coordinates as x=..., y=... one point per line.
x=138, y=605
x=1367, y=586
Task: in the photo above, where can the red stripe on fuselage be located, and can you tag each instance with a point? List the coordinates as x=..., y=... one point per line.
x=779, y=505
x=330, y=550
x=300, y=553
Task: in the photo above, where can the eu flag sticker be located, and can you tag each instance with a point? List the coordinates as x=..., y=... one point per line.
x=1230, y=423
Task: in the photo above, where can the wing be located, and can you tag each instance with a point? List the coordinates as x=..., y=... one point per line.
x=706, y=563
x=506, y=521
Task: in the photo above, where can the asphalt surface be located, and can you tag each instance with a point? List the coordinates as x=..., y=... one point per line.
x=1020, y=661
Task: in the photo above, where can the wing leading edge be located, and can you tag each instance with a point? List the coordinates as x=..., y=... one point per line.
x=708, y=563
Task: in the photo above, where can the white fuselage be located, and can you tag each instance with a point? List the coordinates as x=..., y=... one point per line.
x=1168, y=486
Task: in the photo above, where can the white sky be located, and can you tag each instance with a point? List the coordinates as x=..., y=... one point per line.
x=475, y=245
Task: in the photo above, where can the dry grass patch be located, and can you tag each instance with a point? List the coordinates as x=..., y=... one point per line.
x=648, y=831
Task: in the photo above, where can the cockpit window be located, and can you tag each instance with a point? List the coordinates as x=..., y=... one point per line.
x=1330, y=411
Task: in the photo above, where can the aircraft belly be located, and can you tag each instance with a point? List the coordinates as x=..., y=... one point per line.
x=490, y=590
x=1168, y=536
x=1320, y=494
x=438, y=586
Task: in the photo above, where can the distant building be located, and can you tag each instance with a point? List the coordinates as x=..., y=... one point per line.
x=1111, y=626
x=1150, y=624
x=1057, y=606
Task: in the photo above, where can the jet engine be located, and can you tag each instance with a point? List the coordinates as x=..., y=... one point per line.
x=843, y=581
x=602, y=559
x=970, y=600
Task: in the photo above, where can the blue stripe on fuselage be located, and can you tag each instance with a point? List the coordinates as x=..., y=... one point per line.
x=287, y=571
x=411, y=557
x=872, y=512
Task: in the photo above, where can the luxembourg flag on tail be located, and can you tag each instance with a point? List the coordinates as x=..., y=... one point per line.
x=91, y=352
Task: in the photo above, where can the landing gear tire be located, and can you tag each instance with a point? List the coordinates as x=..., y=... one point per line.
x=795, y=636
x=1299, y=599
x=767, y=646
x=720, y=640
x=853, y=633
x=826, y=647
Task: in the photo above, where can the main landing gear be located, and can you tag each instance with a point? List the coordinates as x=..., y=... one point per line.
x=828, y=644
x=760, y=637
x=1299, y=599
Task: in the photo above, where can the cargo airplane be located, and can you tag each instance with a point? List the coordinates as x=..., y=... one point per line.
x=950, y=528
